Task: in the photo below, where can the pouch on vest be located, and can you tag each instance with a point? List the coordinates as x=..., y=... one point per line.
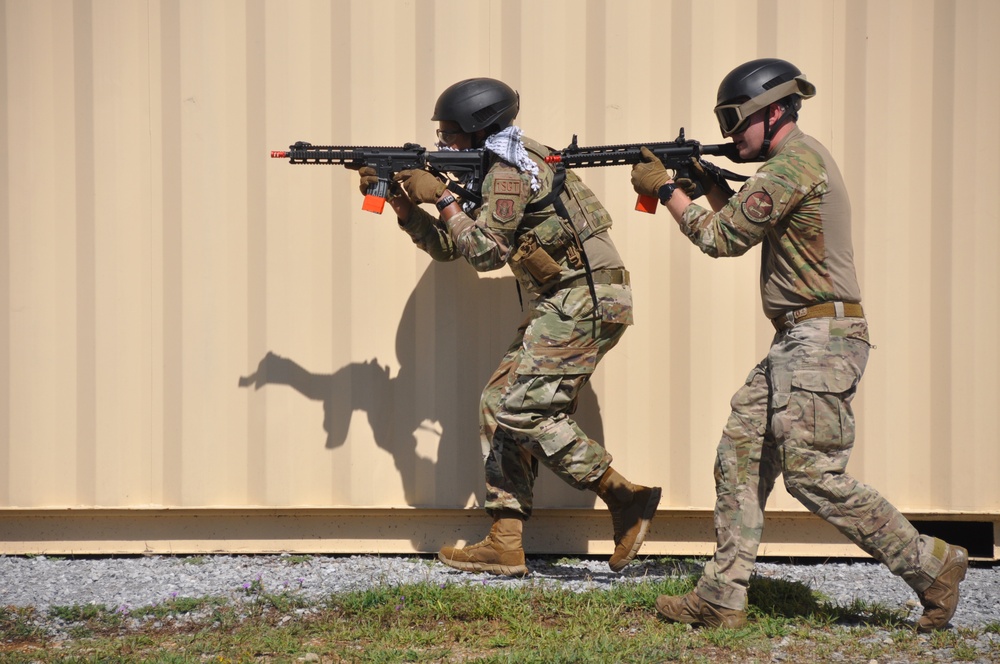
x=534, y=260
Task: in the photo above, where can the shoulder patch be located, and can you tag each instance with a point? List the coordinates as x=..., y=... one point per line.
x=511, y=187
x=758, y=207
x=504, y=210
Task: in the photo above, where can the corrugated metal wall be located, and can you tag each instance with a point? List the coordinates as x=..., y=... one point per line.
x=154, y=255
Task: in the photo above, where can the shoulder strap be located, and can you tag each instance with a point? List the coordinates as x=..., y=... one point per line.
x=553, y=199
x=557, y=187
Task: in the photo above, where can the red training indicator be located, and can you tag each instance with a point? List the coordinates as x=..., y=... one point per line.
x=373, y=204
x=646, y=204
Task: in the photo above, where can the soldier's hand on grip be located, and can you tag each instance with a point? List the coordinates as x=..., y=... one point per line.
x=649, y=175
x=421, y=186
x=695, y=181
x=368, y=177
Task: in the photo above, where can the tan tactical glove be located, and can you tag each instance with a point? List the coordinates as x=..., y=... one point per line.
x=698, y=176
x=368, y=177
x=421, y=186
x=649, y=174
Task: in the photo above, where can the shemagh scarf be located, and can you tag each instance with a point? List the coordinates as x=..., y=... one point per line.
x=507, y=145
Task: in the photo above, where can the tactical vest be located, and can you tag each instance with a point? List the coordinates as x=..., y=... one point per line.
x=550, y=238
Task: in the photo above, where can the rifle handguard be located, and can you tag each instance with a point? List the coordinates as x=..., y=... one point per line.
x=468, y=166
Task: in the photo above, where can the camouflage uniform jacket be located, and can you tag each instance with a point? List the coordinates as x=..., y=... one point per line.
x=493, y=234
x=796, y=204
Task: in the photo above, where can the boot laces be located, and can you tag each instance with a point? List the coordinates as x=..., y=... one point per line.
x=618, y=523
x=478, y=545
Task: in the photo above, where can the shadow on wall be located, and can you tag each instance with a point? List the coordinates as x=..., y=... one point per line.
x=468, y=323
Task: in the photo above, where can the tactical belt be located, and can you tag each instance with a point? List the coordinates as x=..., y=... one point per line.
x=608, y=276
x=824, y=310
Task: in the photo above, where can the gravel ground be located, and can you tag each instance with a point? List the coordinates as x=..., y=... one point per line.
x=130, y=582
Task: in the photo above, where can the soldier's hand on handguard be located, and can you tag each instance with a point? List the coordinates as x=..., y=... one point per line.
x=649, y=175
x=421, y=186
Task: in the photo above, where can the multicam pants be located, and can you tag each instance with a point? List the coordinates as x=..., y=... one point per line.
x=526, y=406
x=793, y=417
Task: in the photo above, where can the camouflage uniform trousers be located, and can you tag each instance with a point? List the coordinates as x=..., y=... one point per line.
x=793, y=417
x=526, y=406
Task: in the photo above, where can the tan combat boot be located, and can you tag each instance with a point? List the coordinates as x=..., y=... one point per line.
x=941, y=598
x=500, y=553
x=632, y=508
x=693, y=610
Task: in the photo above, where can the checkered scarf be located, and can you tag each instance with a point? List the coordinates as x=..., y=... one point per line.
x=507, y=145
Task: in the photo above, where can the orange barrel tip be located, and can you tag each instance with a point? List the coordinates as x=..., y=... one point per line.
x=278, y=154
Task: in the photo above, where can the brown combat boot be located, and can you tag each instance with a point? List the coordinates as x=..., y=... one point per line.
x=693, y=610
x=500, y=553
x=941, y=598
x=632, y=508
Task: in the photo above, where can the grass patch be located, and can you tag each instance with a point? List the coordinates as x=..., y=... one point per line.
x=17, y=624
x=424, y=622
x=297, y=559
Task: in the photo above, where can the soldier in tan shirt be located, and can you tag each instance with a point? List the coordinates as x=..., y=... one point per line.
x=793, y=415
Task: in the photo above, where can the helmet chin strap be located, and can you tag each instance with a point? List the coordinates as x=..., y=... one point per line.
x=769, y=130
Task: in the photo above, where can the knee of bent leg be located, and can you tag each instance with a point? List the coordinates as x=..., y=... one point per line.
x=799, y=484
x=803, y=475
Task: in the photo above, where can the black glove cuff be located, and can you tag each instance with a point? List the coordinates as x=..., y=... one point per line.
x=666, y=191
x=444, y=202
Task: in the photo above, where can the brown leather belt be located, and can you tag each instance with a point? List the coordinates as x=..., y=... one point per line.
x=824, y=310
x=609, y=276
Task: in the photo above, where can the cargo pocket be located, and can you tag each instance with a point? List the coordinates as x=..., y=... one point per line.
x=558, y=360
x=818, y=411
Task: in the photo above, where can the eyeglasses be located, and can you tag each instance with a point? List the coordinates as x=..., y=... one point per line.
x=447, y=136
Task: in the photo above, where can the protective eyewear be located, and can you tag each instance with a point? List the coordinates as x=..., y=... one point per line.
x=447, y=136
x=733, y=118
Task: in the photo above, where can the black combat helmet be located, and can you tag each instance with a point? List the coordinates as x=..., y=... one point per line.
x=477, y=103
x=755, y=85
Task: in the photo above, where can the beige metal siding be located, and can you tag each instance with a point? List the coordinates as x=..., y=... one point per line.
x=154, y=254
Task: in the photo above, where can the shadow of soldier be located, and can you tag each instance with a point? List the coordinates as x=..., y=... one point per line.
x=452, y=333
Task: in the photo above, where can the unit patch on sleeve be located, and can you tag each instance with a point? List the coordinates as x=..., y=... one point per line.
x=758, y=207
x=503, y=209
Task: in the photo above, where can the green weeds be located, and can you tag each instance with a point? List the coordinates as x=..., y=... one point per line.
x=425, y=622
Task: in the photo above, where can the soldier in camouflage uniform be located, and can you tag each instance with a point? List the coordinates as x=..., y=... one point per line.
x=793, y=415
x=553, y=232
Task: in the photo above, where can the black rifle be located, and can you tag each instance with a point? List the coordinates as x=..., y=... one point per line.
x=675, y=155
x=469, y=166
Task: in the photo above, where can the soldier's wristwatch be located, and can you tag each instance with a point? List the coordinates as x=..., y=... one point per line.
x=444, y=202
x=666, y=191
